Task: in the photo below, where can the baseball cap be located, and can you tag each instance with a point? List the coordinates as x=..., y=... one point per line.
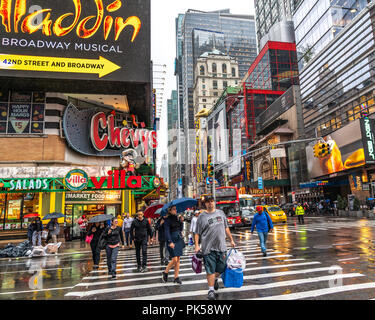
x=207, y=199
x=259, y=209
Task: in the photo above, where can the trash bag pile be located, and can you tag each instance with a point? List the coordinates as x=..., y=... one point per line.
x=12, y=251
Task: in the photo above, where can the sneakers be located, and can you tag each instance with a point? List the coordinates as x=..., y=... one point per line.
x=216, y=286
x=211, y=295
x=95, y=267
x=114, y=275
x=143, y=269
x=164, y=277
x=177, y=280
x=139, y=269
x=264, y=254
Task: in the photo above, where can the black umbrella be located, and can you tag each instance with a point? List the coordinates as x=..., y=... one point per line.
x=101, y=218
x=53, y=215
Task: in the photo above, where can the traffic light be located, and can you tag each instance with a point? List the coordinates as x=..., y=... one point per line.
x=210, y=165
x=322, y=150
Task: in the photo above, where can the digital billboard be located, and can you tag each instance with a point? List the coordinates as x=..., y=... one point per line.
x=76, y=39
x=346, y=148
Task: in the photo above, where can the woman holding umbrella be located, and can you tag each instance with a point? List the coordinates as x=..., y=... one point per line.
x=173, y=227
x=96, y=229
x=54, y=229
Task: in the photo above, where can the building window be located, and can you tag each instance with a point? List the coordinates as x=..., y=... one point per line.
x=225, y=84
x=214, y=68
x=214, y=84
x=233, y=72
x=224, y=68
x=201, y=70
x=215, y=94
x=266, y=170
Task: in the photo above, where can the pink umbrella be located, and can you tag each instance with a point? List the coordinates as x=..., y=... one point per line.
x=150, y=211
x=31, y=215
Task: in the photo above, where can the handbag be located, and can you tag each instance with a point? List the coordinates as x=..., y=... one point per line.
x=102, y=243
x=232, y=278
x=196, y=264
x=89, y=238
x=45, y=234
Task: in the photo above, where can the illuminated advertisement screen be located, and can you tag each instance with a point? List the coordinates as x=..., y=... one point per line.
x=74, y=39
x=347, y=150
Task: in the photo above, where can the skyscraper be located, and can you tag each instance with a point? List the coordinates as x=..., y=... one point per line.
x=271, y=14
x=199, y=32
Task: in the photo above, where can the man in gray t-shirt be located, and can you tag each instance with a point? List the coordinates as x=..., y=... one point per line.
x=212, y=228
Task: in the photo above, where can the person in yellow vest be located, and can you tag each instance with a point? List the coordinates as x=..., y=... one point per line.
x=120, y=221
x=300, y=211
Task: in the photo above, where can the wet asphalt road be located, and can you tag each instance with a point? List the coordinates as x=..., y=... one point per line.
x=327, y=258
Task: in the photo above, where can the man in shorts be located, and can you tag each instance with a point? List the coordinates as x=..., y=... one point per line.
x=211, y=229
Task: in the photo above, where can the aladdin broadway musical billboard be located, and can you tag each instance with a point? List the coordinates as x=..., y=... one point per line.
x=349, y=147
x=76, y=39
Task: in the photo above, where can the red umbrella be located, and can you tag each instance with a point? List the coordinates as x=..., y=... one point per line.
x=150, y=211
x=31, y=215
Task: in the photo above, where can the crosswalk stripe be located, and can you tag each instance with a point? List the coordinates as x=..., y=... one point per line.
x=243, y=288
x=181, y=269
x=319, y=292
x=257, y=276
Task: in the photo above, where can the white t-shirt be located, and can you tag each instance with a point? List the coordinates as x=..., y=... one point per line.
x=193, y=224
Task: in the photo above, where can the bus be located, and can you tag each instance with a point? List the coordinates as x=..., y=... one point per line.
x=247, y=201
x=227, y=200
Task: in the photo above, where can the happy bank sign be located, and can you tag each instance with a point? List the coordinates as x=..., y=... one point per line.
x=76, y=39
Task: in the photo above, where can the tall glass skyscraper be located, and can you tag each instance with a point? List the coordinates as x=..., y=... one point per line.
x=317, y=22
x=199, y=31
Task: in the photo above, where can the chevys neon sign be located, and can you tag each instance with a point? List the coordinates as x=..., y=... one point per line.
x=103, y=133
x=26, y=24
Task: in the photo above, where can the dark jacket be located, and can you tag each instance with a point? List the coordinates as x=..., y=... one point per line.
x=114, y=237
x=160, y=229
x=140, y=229
x=172, y=224
x=97, y=234
x=37, y=226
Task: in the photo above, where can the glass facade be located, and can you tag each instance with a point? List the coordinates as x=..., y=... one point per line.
x=239, y=43
x=317, y=22
x=269, y=12
x=338, y=86
x=273, y=72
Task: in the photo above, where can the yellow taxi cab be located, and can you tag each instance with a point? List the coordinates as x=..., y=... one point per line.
x=276, y=213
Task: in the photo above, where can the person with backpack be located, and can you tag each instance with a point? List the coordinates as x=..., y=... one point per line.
x=173, y=227
x=53, y=228
x=96, y=230
x=262, y=221
x=37, y=229
x=164, y=254
x=113, y=236
x=140, y=231
x=212, y=229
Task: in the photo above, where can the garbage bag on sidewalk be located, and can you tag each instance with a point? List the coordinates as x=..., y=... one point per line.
x=12, y=251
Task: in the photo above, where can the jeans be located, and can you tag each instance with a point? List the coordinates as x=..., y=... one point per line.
x=95, y=253
x=162, y=249
x=37, y=235
x=83, y=233
x=127, y=237
x=301, y=219
x=263, y=240
x=141, y=244
x=111, y=258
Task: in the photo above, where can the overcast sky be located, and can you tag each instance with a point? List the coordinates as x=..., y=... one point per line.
x=163, y=44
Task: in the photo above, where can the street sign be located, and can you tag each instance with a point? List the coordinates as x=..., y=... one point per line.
x=260, y=183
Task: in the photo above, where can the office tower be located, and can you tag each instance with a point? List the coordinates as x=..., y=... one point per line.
x=195, y=32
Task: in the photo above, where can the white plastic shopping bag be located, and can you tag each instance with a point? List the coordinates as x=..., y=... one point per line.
x=236, y=260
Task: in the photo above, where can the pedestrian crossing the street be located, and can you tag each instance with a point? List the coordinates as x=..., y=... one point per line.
x=279, y=275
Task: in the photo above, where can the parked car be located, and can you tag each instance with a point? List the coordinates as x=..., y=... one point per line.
x=288, y=208
x=247, y=216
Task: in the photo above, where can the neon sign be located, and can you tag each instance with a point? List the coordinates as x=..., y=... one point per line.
x=25, y=24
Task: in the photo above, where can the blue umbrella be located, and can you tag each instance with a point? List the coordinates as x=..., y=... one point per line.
x=181, y=205
x=54, y=215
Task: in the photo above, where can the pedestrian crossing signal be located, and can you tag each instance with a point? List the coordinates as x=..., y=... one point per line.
x=322, y=150
x=210, y=172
